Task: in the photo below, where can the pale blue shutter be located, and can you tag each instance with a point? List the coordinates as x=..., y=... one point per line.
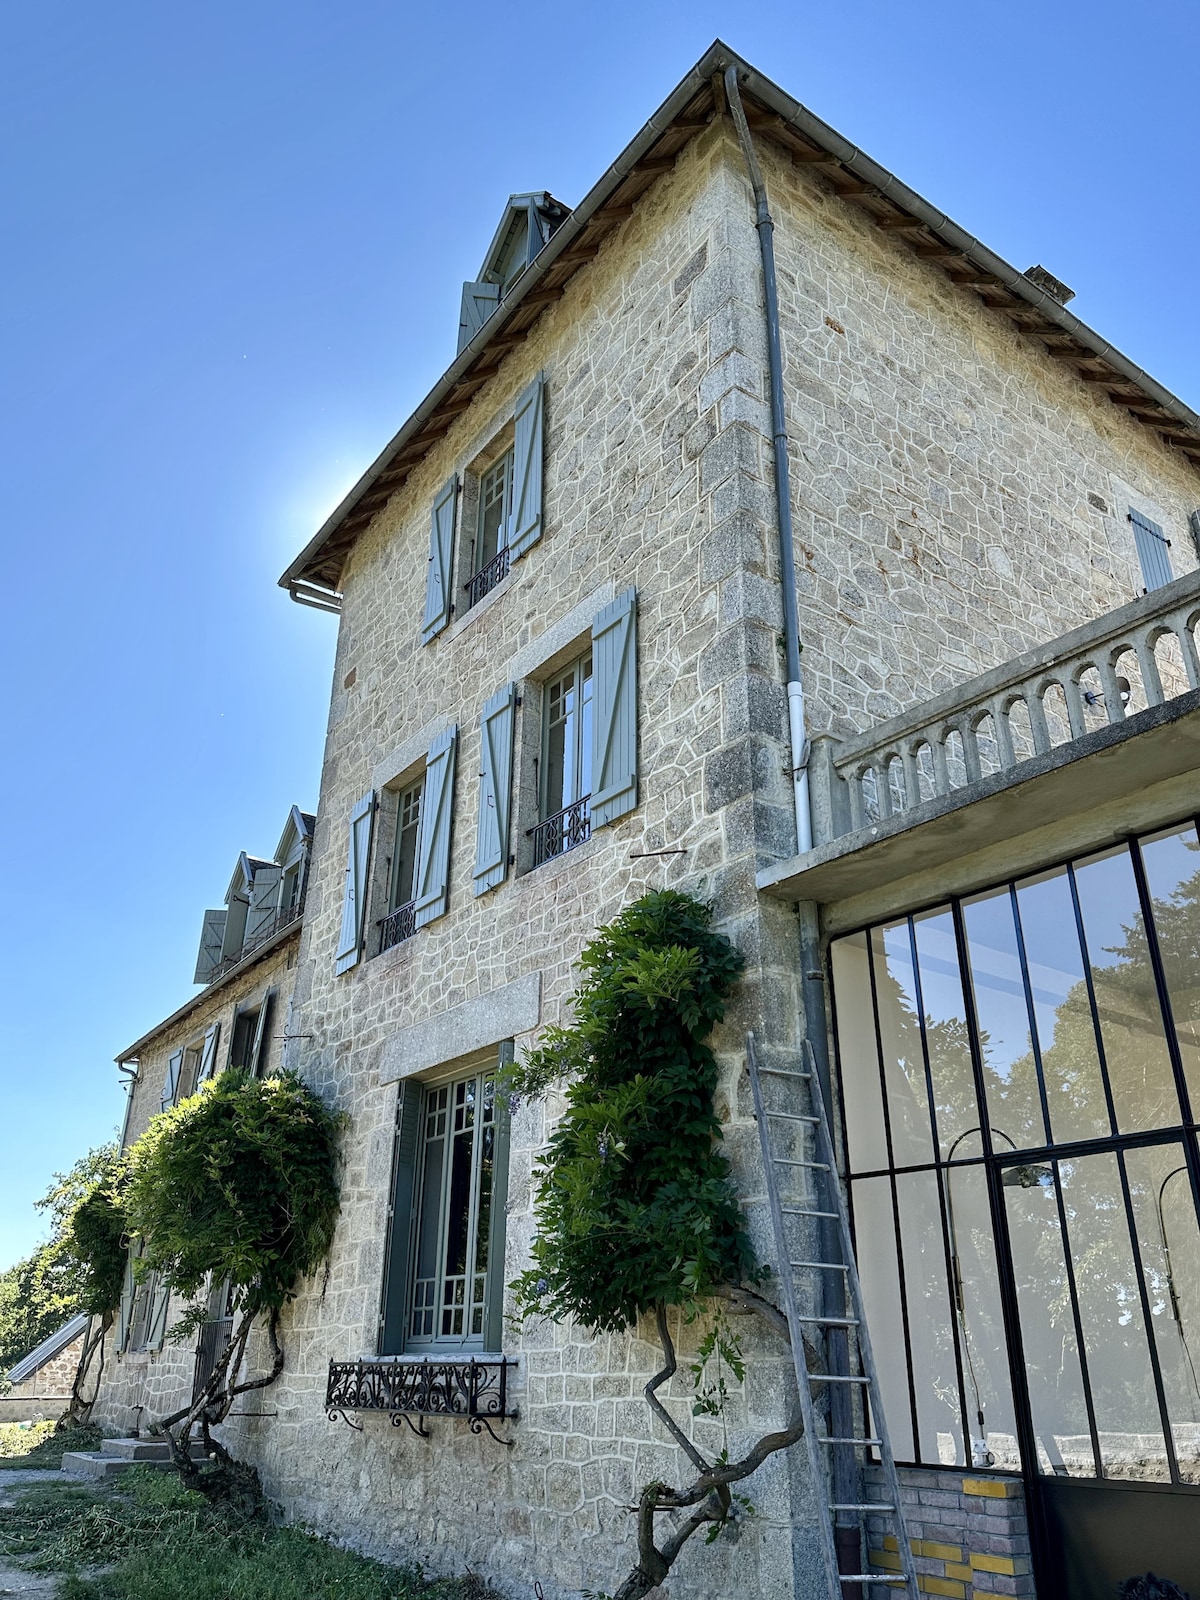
x=264, y=904
x=441, y=555
x=354, y=893
x=156, y=1328
x=614, y=711
x=525, y=525
x=397, y=1259
x=433, y=847
x=1194, y=525
x=1152, y=546
x=258, y=1047
x=170, y=1089
x=495, y=790
x=479, y=300
x=208, y=1054
x=212, y=936
x=125, y=1310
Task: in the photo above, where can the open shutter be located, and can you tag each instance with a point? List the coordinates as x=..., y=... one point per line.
x=354, y=897
x=433, y=847
x=525, y=527
x=1194, y=525
x=493, y=1293
x=495, y=790
x=212, y=936
x=170, y=1090
x=264, y=904
x=479, y=300
x=400, y=1218
x=1152, y=546
x=258, y=1049
x=208, y=1055
x=156, y=1327
x=441, y=551
x=614, y=716
x=125, y=1310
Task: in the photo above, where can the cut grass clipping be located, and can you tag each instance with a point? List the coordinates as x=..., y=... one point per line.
x=152, y=1539
x=25, y=1445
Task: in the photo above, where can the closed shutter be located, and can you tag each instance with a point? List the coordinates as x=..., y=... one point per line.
x=125, y=1310
x=257, y=1059
x=614, y=714
x=433, y=847
x=212, y=936
x=392, y=1315
x=495, y=790
x=264, y=903
x=170, y=1090
x=1152, y=546
x=354, y=895
x=493, y=1302
x=1194, y=525
x=441, y=554
x=479, y=300
x=525, y=526
x=208, y=1055
x=156, y=1328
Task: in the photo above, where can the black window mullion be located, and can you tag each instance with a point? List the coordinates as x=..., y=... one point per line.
x=1034, y=1039
x=1147, y=1322
x=1093, y=1007
x=1076, y=1318
x=1160, y=980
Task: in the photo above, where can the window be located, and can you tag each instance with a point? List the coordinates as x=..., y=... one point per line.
x=400, y=922
x=142, y=1316
x=489, y=549
x=566, y=763
x=1152, y=547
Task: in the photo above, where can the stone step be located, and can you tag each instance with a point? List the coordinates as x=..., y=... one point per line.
x=104, y=1463
x=142, y=1449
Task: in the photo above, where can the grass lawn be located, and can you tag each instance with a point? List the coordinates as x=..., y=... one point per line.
x=152, y=1539
x=37, y=1445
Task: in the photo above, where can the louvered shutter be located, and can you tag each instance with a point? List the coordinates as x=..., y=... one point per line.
x=258, y=1049
x=495, y=789
x=1152, y=546
x=493, y=1293
x=525, y=524
x=433, y=847
x=479, y=300
x=392, y=1327
x=208, y=1055
x=264, y=904
x=156, y=1327
x=614, y=711
x=354, y=895
x=212, y=936
x=441, y=555
x=125, y=1309
x=170, y=1089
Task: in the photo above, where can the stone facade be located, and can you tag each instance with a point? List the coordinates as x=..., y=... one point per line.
x=958, y=497
x=43, y=1393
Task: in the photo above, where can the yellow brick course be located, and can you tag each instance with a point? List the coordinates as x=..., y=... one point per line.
x=946, y=1586
x=935, y=1551
x=993, y=1488
x=1004, y=1564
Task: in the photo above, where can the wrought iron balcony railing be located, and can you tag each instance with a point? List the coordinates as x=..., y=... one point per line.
x=1138, y=657
x=280, y=921
x=397, y=925
x=563, y=831
x=474, y=1389
x=486, y=579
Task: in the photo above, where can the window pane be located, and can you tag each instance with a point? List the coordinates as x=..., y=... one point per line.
x=857, y=1054
x=1106, y=1281
x=946, y=1036
x=458, y=1211
x=981, y=1335
x=1052, y=1370
x=1173, y=875
x=493, y=511
x=408, y=818
x=935, y=1373
x=483, y=1203
x=585, y=728
x=1169, y=1241
x=1009, y=1072
x=425, y=1294
x=1062, y=1009
x=1135, y=1048
x=900, y=1036
x=875, y=1251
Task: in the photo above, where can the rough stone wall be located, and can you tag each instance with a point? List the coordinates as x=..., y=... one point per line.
x=46, y=1391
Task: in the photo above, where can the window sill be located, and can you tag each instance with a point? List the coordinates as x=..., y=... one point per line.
x=464, y=619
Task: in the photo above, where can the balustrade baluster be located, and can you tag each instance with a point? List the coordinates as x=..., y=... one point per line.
x=1003, y=731
x=1187, y=644
x=1151, y=682
x=1076, y=706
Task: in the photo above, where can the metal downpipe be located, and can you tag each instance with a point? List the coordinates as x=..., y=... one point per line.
x=797, y=731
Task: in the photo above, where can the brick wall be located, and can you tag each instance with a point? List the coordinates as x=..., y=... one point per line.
x=969, y=1534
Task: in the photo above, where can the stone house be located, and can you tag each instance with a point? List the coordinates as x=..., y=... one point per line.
x=39, y=1385
x=960, y=866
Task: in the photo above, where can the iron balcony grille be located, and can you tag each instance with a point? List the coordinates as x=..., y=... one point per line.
x=397, y=925
x=486, y=579
x=476, y=1390
x=280, y=921
x=563, y=831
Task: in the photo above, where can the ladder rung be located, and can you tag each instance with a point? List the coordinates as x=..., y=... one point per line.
x=865, y=1505
x=781, y=1072
x=793, y=1116
x=832, y=1266
x=849, y=1440
x=787, y=1161
x=871, y=1577
x=834, y=1377
x=799, y=1211
x=831, y=1322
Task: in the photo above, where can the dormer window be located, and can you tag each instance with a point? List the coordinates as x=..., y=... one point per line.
x=528, y=222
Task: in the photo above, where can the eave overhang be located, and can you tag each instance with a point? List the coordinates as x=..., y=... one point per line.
x=853, y=176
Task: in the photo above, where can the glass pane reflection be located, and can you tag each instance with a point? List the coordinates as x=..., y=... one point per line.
x=1005, y=1042
x=903, y=1053
x=1172, y=864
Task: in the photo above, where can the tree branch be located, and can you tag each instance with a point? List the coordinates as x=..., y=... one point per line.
x=650, y=1391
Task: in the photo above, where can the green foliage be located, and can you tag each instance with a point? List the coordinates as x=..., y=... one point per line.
x=95, y=1234
x=160, y=1541
x=38, y=1447
x=719, y=1350
x=48, y=1287
x=634, y=1204
x=238, y=1181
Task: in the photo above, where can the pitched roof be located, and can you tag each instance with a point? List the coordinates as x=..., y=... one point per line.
x=890, y=204
x=49, y=1348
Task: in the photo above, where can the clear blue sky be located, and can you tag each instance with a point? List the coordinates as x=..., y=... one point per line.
x=234, y=240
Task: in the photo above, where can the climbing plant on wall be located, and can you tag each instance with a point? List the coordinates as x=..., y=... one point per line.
x=634, y=1206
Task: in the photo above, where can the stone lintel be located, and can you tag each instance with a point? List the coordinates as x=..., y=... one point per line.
x=502, y=1013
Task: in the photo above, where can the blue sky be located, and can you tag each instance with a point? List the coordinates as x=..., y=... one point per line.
x=234, y=237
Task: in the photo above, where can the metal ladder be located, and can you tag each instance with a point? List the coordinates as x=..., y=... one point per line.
x=828, y=1206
